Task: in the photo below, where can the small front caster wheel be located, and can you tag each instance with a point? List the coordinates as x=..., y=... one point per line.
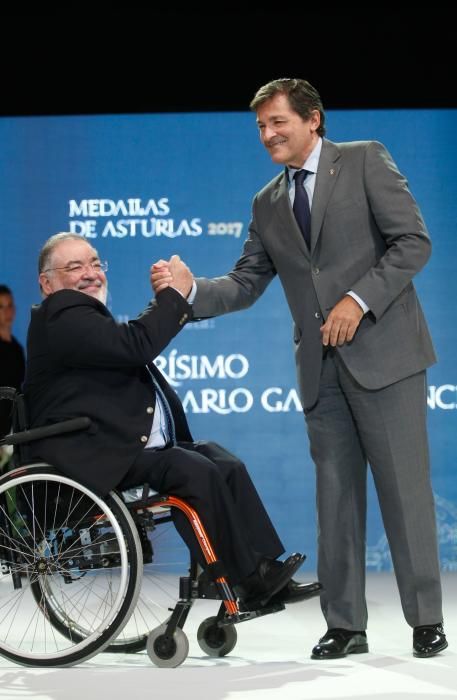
x=165, y=650
x=215, y=640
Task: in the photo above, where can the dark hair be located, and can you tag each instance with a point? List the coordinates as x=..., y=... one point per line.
x=5, y=290
x=302, y=96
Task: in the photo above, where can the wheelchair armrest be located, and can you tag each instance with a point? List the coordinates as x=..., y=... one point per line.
x=66, y=426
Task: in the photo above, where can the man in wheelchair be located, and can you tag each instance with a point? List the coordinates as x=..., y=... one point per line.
x=81, y=362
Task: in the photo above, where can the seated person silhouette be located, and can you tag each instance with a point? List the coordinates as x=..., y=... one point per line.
x=12, y=364
x=81, y=362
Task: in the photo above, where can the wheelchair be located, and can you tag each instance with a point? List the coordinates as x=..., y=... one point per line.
x=81, y=575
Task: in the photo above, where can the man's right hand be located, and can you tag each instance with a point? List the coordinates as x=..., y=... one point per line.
x=172, y=273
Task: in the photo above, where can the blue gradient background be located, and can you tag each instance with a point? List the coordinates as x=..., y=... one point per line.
x=209, y=166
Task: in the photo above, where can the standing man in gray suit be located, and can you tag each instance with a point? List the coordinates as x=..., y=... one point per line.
x=343, y=232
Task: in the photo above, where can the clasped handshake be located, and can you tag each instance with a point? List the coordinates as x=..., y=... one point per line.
x=171, y=273
x=340, y=325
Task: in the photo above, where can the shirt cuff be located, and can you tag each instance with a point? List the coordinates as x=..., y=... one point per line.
x=192, y=294
x=359, y=301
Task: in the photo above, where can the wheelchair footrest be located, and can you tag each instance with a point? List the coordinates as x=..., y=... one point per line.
x=244, y=615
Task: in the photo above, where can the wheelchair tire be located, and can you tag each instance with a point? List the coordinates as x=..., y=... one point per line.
x=159, y=588
x=157, y=596
x=215, y=640
x=71, y=568
x=167, y=651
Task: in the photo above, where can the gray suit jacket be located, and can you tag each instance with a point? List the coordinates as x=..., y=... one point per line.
x=367, y=235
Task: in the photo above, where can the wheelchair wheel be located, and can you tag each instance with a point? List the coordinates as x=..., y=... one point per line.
x=70, y=568
x=167, y=651
x=215, y=640
x=169, y=560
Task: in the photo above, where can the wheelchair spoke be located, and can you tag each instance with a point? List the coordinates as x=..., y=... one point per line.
x=70, y=568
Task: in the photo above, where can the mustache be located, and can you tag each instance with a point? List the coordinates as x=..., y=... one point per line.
x=89, y=283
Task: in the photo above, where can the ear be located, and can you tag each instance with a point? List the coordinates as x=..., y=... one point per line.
x=45, y=284
x=315, y=119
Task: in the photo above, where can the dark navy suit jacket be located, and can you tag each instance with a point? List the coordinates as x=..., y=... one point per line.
x=81, y=362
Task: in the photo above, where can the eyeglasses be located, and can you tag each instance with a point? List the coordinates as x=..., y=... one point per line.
x=76, y=268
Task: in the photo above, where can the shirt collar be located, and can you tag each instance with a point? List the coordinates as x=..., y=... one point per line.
x=310, y=163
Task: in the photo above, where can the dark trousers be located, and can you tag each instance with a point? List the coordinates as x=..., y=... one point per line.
x=217, y=485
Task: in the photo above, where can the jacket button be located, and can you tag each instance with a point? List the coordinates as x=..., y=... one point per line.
x=316, y=270
x=317, y=315
x=144, y=438
x=149, y=410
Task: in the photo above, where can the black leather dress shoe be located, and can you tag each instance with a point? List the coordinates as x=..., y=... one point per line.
x=294, y=592
x=337, y=643
x=267, y=579
x=428, y=640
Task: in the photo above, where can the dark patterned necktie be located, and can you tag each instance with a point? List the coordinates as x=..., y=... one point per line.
x=301, y=206
x=166, y=409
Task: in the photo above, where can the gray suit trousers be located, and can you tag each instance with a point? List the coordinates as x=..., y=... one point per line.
x=348, y=427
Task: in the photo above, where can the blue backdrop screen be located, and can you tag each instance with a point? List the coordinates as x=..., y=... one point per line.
x=142, y=187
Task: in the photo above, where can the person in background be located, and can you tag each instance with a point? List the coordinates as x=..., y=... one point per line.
x=344, y=234
x=12, y=364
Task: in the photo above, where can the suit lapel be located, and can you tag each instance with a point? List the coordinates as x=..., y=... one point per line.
x=326, y=177
x=327, y=174
x=282, y=207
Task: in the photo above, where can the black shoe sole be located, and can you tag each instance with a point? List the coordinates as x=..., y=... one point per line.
x=299, y=598
x=360, y=649
x=427, y=654
x=357, y=644
x=293, y=563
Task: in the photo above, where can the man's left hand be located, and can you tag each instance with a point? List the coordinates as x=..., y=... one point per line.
x=342, y=322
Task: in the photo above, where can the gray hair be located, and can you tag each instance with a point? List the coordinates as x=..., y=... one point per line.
x=44, y=259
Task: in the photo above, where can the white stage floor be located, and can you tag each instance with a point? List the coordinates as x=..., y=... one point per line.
x=270, y=662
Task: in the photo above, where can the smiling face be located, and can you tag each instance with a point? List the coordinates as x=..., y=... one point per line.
x=288, y=138
x=74, y=264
